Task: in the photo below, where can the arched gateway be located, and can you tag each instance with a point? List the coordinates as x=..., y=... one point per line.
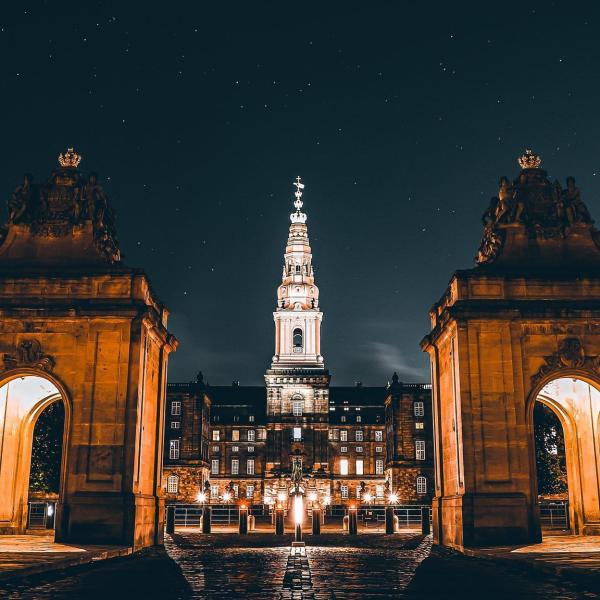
x=523, y=326
x=79, y=327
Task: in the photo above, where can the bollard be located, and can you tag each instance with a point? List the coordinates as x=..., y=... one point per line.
x=298, y=533
x=396, y=524
x=425, y=525
x=170, y=520
x=206, y=518
x=389, y=520
x=243, y=527
x=251, y=522
x=316, y=521
x=345, y=522
x=352, y=521
x=279, y=521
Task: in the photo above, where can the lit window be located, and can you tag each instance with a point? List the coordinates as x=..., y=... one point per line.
x=379, y=436
x=172, y=484
x=334, y=434
x=359, y=466
x=419, y=409
x=250, y=466
x=359, y=435
x=215, y=448
x=235, y=466
x=174, y=449
x=343, y=435
x=214, y=491
x=250, y=418
x=346, y=408
x=297, y=407
x=235, y=435
x=421, y=485
x=343, y=418
x=344, y=449
x=251, y=435
x=359, y=448
x=344, y=489
x=249, y=491
x=236, y=418
x=343, y=466
x=419, y=425
x=250, y=448
x=358, y=491
x=297, y=433
x=420, y=450
x=235, y=448
x=297, y=338
x=236, y=490
x=175, y=424
x=176, y=407
x=262, y=434
x=379, y=491
x=358, y=418
x=216, y=435
x=378, y=467
x=214, y=466
x=378, y=448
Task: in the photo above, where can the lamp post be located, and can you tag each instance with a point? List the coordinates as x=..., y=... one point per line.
x=202, y=497
x=389, y=513
x=316, y=513
x=243, y=525
x=352, y=520
x=298, y=502
x=279, y=510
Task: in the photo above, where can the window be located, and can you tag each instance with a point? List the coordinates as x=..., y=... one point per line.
x=359, y=466
x=235, y=466
x=214, y=491
x=419, y=425
x=358, y=418
x=378, y=467
x=215, y=418
x=297, y=268
x=297, y=407
x=419, y=409
x=379, y=436
x=344, y=449
x=250, y=418
x=249, y=491
x=262, y=434
x=343, y=435
x=250, y=466
x=378, y=448
x=175, y=424
x=297, y=433
x=297, y=337
x=334, y=434
x=343, y=418
x=236, y=490
x=172, y=484
x=359, y=448
x=421, y=485
x=250, y=448
x=359, y=435
x=379, y=491
x=235, y=448
x=343, y=466
x=420, y=450
x=236, y=418
x=235, y=435
x=216, y=435
x=251, y=435
x=215, y=448
x=176, y=407
x=344, y=489
x=174, y=449
x=214, y=466
x=358, y=491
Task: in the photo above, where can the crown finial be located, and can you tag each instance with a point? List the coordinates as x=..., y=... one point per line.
x=298, y=217
x=529, y=160
x=69, y=160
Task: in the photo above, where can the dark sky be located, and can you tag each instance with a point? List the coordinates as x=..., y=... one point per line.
x=400, y=117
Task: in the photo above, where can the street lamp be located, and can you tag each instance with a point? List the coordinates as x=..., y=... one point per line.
x=393, y=498
x=201, y=497
x=367, y=497
x=226, y=496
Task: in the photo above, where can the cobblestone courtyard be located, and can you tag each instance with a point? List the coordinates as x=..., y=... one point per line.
x=260, y=566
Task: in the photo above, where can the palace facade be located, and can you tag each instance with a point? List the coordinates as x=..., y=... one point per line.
x=355, y=444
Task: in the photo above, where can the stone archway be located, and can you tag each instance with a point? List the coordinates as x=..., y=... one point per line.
x=23, y=397
x=529, y=313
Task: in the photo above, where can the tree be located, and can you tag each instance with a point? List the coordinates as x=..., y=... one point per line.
x=46, y=452
x=549, y=451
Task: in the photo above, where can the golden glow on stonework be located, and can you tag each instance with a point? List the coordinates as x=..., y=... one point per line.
x=529, y=160
x=70, y=159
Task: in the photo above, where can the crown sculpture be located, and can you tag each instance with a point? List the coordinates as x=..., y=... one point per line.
x=67, y=219
x=535, y=222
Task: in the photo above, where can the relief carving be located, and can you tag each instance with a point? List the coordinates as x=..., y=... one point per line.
x=29, y=353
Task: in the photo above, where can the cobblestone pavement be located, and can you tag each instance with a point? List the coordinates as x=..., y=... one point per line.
x=334, y=567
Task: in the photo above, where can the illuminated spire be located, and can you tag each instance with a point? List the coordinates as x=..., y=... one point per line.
x=298, y=217
x=529, y=160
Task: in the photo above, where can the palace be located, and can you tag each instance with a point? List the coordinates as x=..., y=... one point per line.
x=355, y=444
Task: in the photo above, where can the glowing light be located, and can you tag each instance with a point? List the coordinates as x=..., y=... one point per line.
x=243, y=506
x=226, y=496
x=529, y=160
x=312, y=496
x=393, y=498
x=50, y=510
x=327, y=500
x=201, y=497
x=298, y=509
x=367, y=497
x=70, y=159
x=281, y=496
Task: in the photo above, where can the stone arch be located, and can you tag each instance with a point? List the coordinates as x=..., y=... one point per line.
x=24, y=394
x=579, y=415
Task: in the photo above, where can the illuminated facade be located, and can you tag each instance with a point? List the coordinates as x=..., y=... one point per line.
x=354, y=443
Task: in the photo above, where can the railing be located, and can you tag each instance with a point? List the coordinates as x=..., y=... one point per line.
x=409, y=515
x=554, y=514
x=189, y=515
x=40, y=515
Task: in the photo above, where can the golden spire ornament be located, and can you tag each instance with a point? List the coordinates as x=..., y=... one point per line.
x=529, y=160
x=69, y=160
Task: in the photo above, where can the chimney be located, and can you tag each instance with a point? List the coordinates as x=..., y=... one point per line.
x=358, y=383
x=235, y=383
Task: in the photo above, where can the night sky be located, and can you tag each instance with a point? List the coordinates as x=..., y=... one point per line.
x=399, y=117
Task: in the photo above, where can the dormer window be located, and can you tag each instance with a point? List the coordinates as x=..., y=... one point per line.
x=298, y=340
x=298, y=268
